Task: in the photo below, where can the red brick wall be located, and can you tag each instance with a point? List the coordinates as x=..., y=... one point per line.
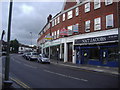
x=69, y=5
x=94, y=13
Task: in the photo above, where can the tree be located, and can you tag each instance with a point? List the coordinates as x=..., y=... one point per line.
x=14, y=46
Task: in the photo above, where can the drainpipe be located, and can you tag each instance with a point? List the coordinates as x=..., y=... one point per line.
x=118, y=17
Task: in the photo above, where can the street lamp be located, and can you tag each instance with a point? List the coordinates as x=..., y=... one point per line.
x=31, y=38
x=3, y=33
x=7, y=82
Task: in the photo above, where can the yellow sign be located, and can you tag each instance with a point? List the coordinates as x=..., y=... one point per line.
x=48, y=38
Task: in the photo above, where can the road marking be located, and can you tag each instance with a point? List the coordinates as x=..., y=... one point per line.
x=30, y=66
x=66, y=76
x=20, y=83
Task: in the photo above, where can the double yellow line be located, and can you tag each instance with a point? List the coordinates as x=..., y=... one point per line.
x=20, y=83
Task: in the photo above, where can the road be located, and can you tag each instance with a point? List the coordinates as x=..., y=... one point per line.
x=37, y=75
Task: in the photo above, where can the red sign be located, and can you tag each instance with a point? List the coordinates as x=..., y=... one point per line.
x=63, y=32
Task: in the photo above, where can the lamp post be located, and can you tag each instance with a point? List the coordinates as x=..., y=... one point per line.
x=3, y=33
x=31, y=38
x=7, y=82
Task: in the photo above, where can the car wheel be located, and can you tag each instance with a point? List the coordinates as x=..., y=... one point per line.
x=29, y=59
x=37, y=61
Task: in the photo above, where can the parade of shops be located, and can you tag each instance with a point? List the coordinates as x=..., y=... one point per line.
x=82, y=33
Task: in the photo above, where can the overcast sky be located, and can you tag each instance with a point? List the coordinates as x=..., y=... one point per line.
x=28, y=17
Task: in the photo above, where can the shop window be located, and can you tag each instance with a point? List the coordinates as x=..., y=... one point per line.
x=87, y=26
x=87, y=7
x=69, y=15
x=77, y=11
x=63, y=17
x=96, y=4
x=109, y=21
x=113, y=54
x=97, y=24
x=94, y=54
x=108, y=2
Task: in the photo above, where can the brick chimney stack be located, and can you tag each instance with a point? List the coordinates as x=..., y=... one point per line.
x=49, y=18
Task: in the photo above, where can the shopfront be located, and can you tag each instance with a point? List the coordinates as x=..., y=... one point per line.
x=101, y=51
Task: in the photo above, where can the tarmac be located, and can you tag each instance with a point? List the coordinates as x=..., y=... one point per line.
x=94, y=68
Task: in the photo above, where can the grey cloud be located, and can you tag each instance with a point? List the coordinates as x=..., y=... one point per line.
x=24, y=23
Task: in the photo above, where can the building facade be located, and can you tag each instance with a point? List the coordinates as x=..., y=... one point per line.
x=84, y=32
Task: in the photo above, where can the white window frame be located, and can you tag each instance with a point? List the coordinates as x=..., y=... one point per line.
x=108, y=2
x=58, y=20
x=69, y=14
x=87, y=26
x=55, y=21
x=54, y=34
x=97, y=4
x=63, y=17
x=69, y=27
x=87, y=7
x=77, y=11
x=109, y=21
x=97, y=24
x=58, y=32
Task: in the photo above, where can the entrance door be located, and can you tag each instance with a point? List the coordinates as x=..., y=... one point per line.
x=70, y=52
x=104, y=56
x=85, y=56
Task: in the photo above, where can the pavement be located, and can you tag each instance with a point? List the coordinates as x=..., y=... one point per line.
x=95, y=68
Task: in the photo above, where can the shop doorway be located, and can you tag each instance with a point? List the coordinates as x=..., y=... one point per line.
x=104, y=56
x=70, y=52
x=85, y=56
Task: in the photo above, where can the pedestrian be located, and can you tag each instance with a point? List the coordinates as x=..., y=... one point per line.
x=57, y=55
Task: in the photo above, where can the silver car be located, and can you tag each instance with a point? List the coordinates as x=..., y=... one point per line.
x=42, y=58
x=32, y=56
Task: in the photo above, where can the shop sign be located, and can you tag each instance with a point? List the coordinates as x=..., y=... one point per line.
x=75, y=28
x=97, y=39
x=63, y=32
x=56, y=42
x=69, y=32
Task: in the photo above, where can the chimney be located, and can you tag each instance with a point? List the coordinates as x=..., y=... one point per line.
x=49, y=18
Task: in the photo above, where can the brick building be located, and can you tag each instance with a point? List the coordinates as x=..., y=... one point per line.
x=84, y=32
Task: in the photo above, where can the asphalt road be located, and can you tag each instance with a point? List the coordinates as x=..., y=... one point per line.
x=37, y=75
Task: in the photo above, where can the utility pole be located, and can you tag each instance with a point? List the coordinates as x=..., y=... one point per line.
x=7, y=82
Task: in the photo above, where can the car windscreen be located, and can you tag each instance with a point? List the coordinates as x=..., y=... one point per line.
x=34, y=53
x=28, y=53
x=44, y=56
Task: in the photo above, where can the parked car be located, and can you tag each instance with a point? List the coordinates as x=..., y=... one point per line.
x=4, y=53
x=42, y=58
x=20, y=52
x=32, y=56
